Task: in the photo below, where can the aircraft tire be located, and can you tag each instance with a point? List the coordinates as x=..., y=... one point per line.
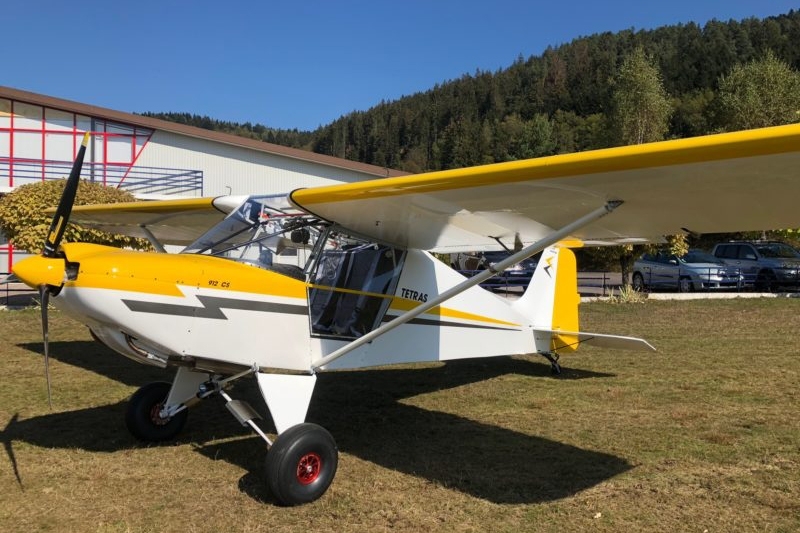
x=301, y=464
x=142, y=418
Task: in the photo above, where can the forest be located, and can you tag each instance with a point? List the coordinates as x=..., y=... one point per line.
x=556, y=102
x=604, y=90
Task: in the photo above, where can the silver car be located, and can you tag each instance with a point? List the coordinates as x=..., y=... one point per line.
x=695, y=271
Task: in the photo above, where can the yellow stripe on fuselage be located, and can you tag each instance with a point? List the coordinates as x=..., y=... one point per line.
x=403, y=305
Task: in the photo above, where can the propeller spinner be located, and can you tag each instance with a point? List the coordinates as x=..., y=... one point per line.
x=46, y=272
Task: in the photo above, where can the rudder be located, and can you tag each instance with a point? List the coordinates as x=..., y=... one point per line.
x=552, y=299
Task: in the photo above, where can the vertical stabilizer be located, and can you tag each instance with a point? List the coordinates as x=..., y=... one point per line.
x=552, y=299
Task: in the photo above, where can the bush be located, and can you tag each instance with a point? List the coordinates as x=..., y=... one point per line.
x=25, y=223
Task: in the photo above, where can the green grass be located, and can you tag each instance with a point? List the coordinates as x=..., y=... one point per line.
x=701, y=436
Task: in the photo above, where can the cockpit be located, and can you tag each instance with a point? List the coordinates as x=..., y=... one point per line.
x=265, y=231
x=350, y=280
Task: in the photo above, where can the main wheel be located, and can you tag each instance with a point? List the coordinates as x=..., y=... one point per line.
x=143, y=416
x=301, y=464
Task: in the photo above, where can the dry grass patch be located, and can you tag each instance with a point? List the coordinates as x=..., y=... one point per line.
x=699, y=436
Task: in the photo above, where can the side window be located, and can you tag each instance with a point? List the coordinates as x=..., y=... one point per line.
x=727, y=251
x=351, y=287
x=747, y=252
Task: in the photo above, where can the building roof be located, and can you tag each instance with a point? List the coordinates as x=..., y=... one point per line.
x=192, y=131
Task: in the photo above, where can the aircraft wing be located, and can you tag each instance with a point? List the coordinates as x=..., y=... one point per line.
x=177, y=222
x=740, y=181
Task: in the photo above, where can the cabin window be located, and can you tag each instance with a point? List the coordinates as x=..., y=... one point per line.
x=352, y=287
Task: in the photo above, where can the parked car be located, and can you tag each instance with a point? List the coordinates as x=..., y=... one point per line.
x=766, y=265
x=518, y=275
x=696, y=270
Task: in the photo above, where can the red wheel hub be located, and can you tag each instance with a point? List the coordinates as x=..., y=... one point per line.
x=308, y=468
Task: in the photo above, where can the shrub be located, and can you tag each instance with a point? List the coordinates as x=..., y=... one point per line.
x=25, y=223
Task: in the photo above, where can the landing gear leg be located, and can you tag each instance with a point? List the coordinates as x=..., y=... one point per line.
x=555, y=368
x=303, y=458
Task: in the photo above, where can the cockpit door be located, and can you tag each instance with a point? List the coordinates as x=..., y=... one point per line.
x=351, y=288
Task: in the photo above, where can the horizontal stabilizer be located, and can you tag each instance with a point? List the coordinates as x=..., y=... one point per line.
x=598, y=339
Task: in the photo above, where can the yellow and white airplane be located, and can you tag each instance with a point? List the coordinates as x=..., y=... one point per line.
x=342, y=277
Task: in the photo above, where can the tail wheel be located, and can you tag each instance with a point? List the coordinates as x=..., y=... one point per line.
x=143, y=416
x=301, y=464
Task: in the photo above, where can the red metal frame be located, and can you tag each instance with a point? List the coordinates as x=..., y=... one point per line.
x=43, y=131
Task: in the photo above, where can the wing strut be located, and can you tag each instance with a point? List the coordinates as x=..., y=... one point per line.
x=533, y=249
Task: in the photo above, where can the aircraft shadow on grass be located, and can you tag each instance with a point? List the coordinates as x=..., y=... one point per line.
x=362, y=409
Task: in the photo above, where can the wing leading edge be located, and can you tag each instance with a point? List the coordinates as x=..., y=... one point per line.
x=740, y=181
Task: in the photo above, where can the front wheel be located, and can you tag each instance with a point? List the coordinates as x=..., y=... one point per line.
x=301, y=464
x=144, y=419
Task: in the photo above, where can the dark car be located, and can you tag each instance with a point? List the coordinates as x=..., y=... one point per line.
x=518, y=275
x=694, y=271
x=766, y=265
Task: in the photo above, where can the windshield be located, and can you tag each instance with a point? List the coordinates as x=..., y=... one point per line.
x=777, y=249
x=263, y=230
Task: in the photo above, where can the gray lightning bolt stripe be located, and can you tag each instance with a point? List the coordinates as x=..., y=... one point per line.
x=213, y=306
x=448, y=323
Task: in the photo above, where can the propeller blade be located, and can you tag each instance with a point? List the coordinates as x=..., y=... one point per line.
x=44, y=293
x=11, y=278
x=60, y=219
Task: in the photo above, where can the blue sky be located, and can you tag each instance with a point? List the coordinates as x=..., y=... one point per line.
x=299, y=64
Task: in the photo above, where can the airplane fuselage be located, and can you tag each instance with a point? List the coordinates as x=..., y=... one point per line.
x=186, y=309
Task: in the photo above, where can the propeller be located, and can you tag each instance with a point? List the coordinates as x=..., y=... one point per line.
x=46, y=272
x=60, y=219
x=44, y=297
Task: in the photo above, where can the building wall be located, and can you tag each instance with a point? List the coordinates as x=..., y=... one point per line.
x=229, y=169
x=39, y=143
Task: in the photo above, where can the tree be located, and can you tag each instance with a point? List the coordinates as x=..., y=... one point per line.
x=641, y=107
x=25, y=223
x=641, y=114
x=761, y=93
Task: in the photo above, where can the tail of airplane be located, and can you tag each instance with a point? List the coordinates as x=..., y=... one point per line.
x=551, y=302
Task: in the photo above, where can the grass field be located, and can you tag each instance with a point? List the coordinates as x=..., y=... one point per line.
x=702, y=436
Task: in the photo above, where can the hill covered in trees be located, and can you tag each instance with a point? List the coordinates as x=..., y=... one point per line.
x=557, y=102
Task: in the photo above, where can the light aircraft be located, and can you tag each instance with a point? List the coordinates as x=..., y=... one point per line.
x=238, y=300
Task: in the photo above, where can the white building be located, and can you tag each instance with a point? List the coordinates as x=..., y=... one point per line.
x=40, y=135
